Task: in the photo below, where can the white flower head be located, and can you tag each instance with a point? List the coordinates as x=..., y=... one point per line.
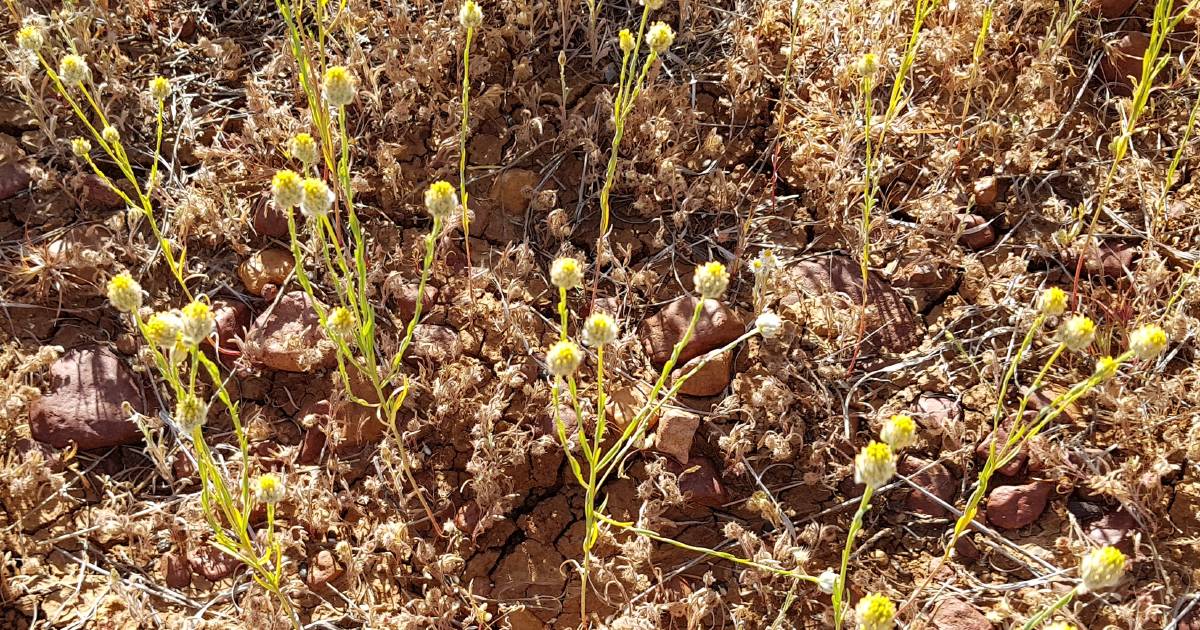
x=440, y=199
x=875, y=612
x=1101, y=568
x=563, y=358
x=470, y=15
x=316, y=198
x=660, y=37
x=110, y=135
x=287, y=189
x=303, y=147
x=768, y=324
x=875, y=465
x=827, y=581
x=30, y=37
x=566, y=273
x=899, y=432
x=1077, y=333
x=269, y=488
x=73, y=69
x=1147, y=342
x=198, y=323
x=599, y=329
x=125, y=293
x=190, y=413
x=160, y=88
x=1053, y=302
x=338, y=86
x=710, y=279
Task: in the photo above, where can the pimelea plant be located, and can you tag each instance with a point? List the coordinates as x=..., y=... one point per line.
x=596, y=462
x=1099, y=569
x=470, y=17
x=351, y=324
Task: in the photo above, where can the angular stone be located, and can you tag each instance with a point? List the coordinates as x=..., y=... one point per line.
x=83, y=402
x=717, y=326
x=700, y=481
x=513, y=190
x=14, y=178
x=211, y=562
x=977, y=232
x=935, y=478
x=955, y=614
x=289, y=337
x=323, y=569
x=675, y=433
x=710, y=380
x=1013, y=507
x=176, y=570
x=1122, y=63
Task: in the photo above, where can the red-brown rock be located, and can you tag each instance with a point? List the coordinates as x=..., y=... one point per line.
x=709, y=380
x=985, y=191
x=289, y=337
x=955, y=614
x=977, y=232
x=717, y=326
x=323, y=569
x=438, y=344
x=83, y=402
x=271, y=222
x=271, y=266
x=1122, y=63
x=676, y=430
x=14, y=178
x=211, y=562
x=1013, y=507
x=233, y=318
x=933, y=477
x=1113, y=8
x=700, y=481
x=176, y=570
x=1116, y=529
x=513, y=190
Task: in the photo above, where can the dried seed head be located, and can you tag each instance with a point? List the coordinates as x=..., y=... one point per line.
x=287, y=189
x=304, y=148
x=441, y=200
x=1101, y=568
x=599, y=329
x=1147, y=342
x=563, y=358
x=827, y=581
x=73, y=69
x=875, y=465
x=316, y=198
x=1077, y=333
x=470, y=15
x=875, y=612
x=660, y=37
x=899, y=432
x=764, y=264
x=1052, y=301
x=269, y=488
x=190, y=413
x=566, y=273
x=125, y=293
x=768, y=324
x=198, y=323
x=81, y=147
x=30, y=38
x=110, y=135
x=867, y=66
x=339, y=86
x=710, y=280
x=160, y=88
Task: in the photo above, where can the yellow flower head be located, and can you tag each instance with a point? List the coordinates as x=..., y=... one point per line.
x=1060, y=625
x=660, y=37
x=764, y=263
x=73, y=69
x=1106, y=367
x=125, y=293
x=440, y=199
x=768, y=324
x=110, y=134
x=160, y=88
x=1147, y=342
x=163, y=329
x=1053, y=302
x=470, y=15
x=30, y=38
x=626, y=40
x=339, y=86
x=599, y=329
x=653, y=5
x=1077, y=332
x=269, y=488
x=899, y=432
x=340, y=322
x=566, y=273
x=190, y=413
x=875, y=612
x=81, y=147
x=304, y=148
x=287, y=189
x=198, y=323
x=563, y=358
x=710, y=280
x=875, y=465
x=1101, y=568
x=316, y=198
x=868, y=65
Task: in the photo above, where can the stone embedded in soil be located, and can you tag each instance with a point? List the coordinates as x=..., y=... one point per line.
x=14, y=178
x=1113, y=8
x=1122, y=63
x=1115, y=528
x=1014, y=467
x=288, y=337
x=700, y=481
x=1013, y=507
x=176, y=570
x=211, y=562
x=1112, y=259
x=935, y=478
x=271, y=222
x=710, y=380
x=986, y=191
x=890, y=325
x=513, y=189
x=95, y=194
x=547, y=520
x=311, y=447
x=675, y=433
x=268, y=267
x=939, y=412
x=403, y=295
x=717, y=326
x=955, y=614
x=233, y=318
x=977, y=232
x=83, y=402
x=322, y=570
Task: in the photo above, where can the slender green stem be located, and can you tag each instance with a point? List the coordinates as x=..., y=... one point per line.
x=839, y=587
x=1037, y=619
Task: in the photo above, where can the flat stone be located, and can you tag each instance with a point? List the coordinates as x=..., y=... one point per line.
x=709, y=380
x=935, y=478
x=83, y=402
x=289, y=338
x=676, y=430
x=717, y=326
x=955, y=614
x=1013, y=507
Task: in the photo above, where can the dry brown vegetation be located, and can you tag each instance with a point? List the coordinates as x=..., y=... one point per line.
x=748, y=136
